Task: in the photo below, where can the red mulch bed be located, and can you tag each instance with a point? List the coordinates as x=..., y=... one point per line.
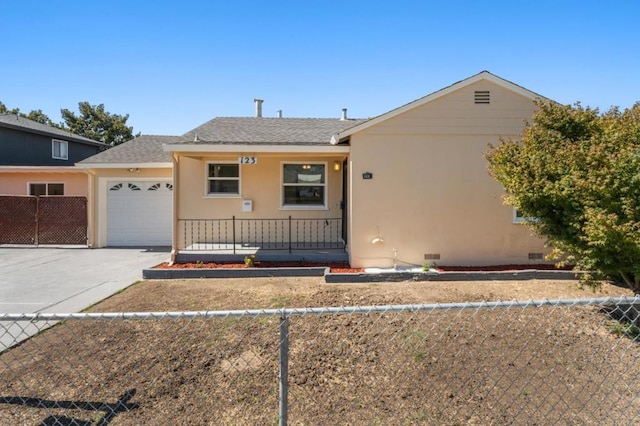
x=541, y=266
x=336, y=267
x=343, y=267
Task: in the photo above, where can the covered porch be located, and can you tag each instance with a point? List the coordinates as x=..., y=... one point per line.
x=273, y=239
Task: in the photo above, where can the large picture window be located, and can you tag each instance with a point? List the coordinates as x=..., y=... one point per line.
x=223, y=179
x=304, y=185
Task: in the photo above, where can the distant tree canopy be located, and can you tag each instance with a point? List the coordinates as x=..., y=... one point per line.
x=96, y=123
x=577, y=172
x=93, y=122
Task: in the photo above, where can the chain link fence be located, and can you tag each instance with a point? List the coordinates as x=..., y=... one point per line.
x=536, y=362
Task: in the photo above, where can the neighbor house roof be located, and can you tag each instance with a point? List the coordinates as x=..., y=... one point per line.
x=268, y=131
x=145, y=149
x=16, y=122
x=484, y=75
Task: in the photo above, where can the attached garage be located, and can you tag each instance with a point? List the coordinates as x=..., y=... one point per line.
x=139, y=213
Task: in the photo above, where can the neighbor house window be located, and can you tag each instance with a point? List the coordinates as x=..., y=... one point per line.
x=39, y=189
x=223, y=179
x=60, y=149
x=304, y=185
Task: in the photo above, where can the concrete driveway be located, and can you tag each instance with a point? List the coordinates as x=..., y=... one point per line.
x=66, y=280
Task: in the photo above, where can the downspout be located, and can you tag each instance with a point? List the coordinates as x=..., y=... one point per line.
x=91, y=219
x=174, y=228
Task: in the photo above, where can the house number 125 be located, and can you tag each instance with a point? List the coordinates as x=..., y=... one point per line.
x=248, y=160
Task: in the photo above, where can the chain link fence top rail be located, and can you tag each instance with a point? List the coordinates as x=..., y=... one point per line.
x=536, y=362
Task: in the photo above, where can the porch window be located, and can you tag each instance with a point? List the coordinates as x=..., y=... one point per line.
x=223, y=179
x=304, y=185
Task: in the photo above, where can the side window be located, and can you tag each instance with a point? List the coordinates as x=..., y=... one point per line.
x=60, y=149
x=519, y=218
x=40, y=189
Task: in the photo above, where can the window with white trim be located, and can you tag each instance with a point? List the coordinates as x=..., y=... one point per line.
x=59, y=149
x=304, y=185
x=519, y=218
x=39, y=189
x=223, y=179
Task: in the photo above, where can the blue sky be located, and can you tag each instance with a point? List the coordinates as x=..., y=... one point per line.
x=172, y=65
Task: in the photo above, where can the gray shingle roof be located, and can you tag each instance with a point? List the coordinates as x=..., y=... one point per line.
x=14, y=121
x=227, y=131
x=143, y=149
x=268, y=131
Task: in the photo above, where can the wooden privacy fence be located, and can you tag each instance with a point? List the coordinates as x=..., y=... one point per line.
x=43, y=220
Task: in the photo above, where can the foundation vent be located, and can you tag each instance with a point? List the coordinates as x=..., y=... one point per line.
x=432, y=256
x=482, y=97
x=536, y=256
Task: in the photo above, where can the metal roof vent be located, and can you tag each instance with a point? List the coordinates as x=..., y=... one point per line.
x=258, y=107
x=344, y=114
x=482, y=97
x=279, y=113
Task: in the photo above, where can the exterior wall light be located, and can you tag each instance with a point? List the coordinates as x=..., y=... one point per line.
x=337, y=166
x=378, y=238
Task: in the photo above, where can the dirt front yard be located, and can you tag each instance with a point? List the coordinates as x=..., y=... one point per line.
x=471, y=366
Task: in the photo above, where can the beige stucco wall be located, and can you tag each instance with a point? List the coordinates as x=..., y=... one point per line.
x=431, y=192
x=75, y=184
x=98, y=179
x=260, y=183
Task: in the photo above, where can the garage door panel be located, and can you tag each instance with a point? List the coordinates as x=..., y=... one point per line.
x=139, y=213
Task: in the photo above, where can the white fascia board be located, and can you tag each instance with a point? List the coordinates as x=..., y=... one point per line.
x=36, y=169
x=484, y=75
x=124, y=165
x=206, y=148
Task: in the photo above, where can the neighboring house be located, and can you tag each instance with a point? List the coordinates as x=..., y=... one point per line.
x=43, y=195
x=37, y=159
x=405, y=188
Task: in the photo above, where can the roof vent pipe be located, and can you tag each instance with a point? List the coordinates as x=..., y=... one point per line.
x=258, y=107
x=344, y=114
x=279, y=113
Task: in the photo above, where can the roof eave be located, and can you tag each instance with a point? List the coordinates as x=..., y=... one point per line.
x=328, y=148
x=68, y=137
x=41, y=169
x=147, y=165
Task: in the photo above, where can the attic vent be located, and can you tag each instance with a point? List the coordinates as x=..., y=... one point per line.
x=482, y=97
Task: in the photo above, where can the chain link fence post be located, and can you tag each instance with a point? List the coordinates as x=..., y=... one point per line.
x=284, y=368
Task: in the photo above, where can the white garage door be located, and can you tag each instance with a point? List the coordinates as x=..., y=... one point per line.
x=139, y=213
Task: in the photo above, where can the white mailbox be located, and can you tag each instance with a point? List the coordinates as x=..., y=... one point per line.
x=247, y=205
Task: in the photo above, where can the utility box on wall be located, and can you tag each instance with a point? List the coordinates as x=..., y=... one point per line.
x=247, y=205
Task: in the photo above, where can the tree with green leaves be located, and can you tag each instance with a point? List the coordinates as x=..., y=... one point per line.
x=5, y=110
x=576, y=174
x=40, y=117
x=96, y=123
